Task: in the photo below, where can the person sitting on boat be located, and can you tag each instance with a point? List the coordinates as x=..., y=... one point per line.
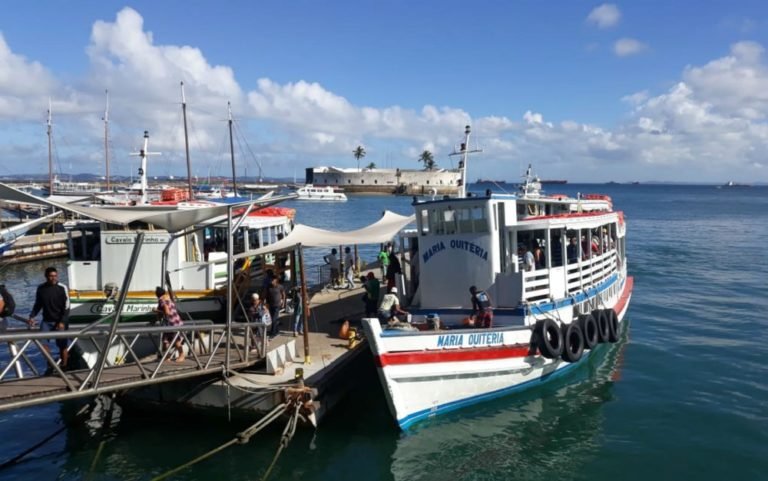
x=482, y=312
x=167, y=313
x=333, y=262
x=390, y=307
x=526, y=257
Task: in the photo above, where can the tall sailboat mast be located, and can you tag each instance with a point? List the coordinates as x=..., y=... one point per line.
x=144, y=154
x=50, y=151
x=106, y=139
x=186, y=140
x=232, y=150
x=464, y=153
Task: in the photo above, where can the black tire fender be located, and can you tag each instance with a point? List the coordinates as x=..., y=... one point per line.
x=603, y=329
x=589, y=330
x=549, y=338
x=613, y=325
x=573, y=342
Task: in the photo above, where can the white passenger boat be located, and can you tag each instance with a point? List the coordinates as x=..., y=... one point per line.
x=327, y=193
x=547, y=318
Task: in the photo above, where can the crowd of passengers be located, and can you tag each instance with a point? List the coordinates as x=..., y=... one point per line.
x=531, y=255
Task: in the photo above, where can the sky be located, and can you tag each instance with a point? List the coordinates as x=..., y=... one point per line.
x=585, y=91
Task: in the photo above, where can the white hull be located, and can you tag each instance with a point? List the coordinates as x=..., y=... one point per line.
x=428, y=373
x=326, y=194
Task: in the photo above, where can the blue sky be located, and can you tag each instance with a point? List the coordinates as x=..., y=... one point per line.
x=586, y=91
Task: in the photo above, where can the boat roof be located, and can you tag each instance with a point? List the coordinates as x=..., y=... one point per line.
x=170, y=219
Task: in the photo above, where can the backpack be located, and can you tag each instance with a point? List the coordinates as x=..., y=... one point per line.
x=10, y=304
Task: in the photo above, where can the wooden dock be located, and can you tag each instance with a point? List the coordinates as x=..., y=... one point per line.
x=34, y=247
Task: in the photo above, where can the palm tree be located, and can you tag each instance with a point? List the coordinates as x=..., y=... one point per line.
x=428, y=159
x=359, y=153
x=371, y=166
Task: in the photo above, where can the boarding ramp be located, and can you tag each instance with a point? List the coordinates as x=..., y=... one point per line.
x=133, y=358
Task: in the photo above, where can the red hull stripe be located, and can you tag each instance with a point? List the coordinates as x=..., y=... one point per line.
x=451, y=355
x=628, y=285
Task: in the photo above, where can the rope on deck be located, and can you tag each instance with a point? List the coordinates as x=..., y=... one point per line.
x=240, y=438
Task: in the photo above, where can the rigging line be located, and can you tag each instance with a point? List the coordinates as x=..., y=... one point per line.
x=288, y=432
x=253, y=155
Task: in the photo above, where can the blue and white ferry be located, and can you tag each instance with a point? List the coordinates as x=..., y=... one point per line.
x=554, y=268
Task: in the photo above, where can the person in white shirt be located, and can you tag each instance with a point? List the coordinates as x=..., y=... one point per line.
x=333, y=261
x=526, y=257
x=390, y=307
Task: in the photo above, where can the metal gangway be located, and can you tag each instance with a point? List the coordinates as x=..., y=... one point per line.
x=130, y=357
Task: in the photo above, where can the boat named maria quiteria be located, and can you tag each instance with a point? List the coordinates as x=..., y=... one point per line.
x=549, y=314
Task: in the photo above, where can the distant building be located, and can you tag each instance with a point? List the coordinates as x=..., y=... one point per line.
x=386, y=181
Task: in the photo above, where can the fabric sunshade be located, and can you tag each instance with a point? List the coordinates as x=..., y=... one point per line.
x=380, y=231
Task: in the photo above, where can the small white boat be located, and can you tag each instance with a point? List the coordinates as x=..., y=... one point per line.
x=327, y=193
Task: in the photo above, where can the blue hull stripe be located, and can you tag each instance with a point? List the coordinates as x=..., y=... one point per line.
x=409, y=420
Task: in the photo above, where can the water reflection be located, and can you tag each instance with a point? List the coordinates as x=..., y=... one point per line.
x=547, y=433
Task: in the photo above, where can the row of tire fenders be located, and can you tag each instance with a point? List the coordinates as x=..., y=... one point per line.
x=569, y=341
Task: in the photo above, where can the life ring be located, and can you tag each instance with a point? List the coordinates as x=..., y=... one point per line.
x=588, y=326
x=603, y=329
x=573, y=342
x=549, y=338
x=613, y=325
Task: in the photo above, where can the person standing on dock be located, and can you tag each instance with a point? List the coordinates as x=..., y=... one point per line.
x=384, y=260
x=275, y=301
x=349, y=268
x=52, y=298
x=333, y=262
x=166, y=311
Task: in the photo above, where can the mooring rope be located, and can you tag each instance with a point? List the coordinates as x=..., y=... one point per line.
x=240, y=438
x=288, y=432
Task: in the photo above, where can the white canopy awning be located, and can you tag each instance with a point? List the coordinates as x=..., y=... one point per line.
x=170, y=219
x=380, y=231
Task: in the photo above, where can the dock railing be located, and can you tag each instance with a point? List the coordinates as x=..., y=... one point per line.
x=133, y=358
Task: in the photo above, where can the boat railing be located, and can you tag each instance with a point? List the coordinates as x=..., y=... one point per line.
x=134, y=356
x=588, y=272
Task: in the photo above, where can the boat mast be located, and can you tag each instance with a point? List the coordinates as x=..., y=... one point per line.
x=186, y=141
x=144, y=153
x=464, y=152
x=50, y=148
x=106, y=138
x=232, y=150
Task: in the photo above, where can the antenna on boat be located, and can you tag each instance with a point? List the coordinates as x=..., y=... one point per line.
x=106, y=137
x=50, y=153
x=186, y=140
x=232, y=150
x=144, y=153
x=464, y=152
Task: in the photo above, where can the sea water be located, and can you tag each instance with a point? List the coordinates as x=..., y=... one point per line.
x=684, y=395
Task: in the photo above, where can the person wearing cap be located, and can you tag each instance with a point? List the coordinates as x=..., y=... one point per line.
x=390, y=307
x=481, y=308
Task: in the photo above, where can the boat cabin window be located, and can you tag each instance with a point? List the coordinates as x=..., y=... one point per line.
x=573, y=246
x=534, y=241
x=449, y=221
x=85, y=245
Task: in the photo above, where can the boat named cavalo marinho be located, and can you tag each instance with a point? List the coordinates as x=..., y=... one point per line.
x=550, y=279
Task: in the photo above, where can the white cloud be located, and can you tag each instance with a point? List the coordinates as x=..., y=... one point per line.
x=710, y=123
x=605, y=16
x=628, y=46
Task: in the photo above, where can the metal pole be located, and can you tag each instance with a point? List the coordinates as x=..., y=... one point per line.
x=106, y=138
x=50, y=154
x=119, y=307
x=186, y=141
x=232, y=150
x=230, y=273
x=304, y=305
